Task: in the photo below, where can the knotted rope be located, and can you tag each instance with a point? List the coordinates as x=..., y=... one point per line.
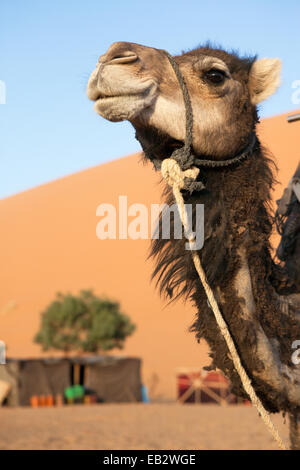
x=176, y=178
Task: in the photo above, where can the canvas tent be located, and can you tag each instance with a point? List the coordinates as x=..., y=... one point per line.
x=112, y=379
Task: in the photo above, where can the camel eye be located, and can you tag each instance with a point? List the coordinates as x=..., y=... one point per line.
x=215, y=76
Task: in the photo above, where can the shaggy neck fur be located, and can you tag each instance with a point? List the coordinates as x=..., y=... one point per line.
x=238, y=225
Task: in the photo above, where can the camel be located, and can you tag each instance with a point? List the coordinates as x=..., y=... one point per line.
x=137, y=83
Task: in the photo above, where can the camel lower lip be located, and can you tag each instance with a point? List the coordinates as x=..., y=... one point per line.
x=101, y=98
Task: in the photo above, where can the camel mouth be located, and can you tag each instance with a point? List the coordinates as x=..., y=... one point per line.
x=115, y=105
x=102, y=97
x=96, y=94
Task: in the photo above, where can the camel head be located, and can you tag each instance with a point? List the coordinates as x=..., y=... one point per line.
x=137, y=83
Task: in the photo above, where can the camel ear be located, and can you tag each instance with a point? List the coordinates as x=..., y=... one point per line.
x=264, y=79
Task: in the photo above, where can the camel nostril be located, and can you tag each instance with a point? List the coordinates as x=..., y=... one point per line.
x=122, y=58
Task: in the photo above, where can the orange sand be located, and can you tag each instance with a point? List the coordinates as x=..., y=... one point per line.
x=137, y=426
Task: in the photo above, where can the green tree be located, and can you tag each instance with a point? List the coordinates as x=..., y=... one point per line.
x=83, y=323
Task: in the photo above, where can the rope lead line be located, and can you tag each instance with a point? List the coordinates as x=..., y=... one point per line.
x=173, y=175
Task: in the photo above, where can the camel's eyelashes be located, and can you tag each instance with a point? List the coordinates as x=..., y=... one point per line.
x=215, y=76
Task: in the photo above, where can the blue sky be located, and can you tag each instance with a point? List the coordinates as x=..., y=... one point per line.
x=48, y=128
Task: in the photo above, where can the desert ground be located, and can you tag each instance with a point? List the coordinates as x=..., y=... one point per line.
x=137, y=426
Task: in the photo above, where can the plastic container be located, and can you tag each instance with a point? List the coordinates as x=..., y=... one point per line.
x=145, y=397
x=87, y=400
x=42, y=400
x=78, y=393
x=49, y=400
x=69, y=395
x=93, y=398
x=59, y=400
x=34, y=401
